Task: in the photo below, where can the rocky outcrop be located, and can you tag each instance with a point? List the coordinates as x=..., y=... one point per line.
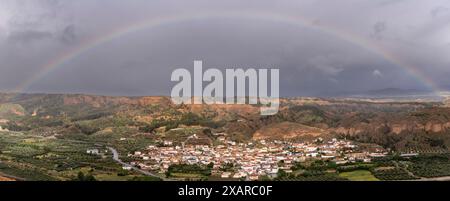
x=101, y=101
x=288, y=130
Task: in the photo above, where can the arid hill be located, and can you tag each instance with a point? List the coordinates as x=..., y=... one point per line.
x=391, y=124
x=288, y=131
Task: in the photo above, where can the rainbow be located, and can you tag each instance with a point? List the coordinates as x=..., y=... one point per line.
x=154, y=22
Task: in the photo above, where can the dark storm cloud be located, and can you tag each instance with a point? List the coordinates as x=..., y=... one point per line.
x=378, y=29
x=312, y=62
x=390, y=2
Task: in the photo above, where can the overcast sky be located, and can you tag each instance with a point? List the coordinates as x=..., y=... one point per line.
x=311, y=62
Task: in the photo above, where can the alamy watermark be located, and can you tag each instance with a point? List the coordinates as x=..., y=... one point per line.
x=235, y=87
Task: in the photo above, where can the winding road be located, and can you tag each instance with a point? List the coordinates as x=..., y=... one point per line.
x=447, y=178
x=117, y=159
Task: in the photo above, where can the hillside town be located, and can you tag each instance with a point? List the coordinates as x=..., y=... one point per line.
x=251, y=161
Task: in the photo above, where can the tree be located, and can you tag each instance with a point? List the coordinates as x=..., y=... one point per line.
x=211, y=165
x=82, y=177
x=123, y=172
x=281, y=174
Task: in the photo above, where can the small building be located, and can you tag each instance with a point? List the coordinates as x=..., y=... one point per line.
x=226, y=175
x=3, y=129
x=253, y=177
x=239, y=175
x=341, y=162
x=92, y=151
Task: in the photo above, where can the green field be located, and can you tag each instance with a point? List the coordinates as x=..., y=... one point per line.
x=31, y=157
x=358, y=175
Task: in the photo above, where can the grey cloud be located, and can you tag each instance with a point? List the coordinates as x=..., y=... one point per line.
x=377, y=73
x=390, y=2
x=314, y=60
x=68, y=34
x=27, y=36
x=438, y=11
x=327, y=64
x=378, y=29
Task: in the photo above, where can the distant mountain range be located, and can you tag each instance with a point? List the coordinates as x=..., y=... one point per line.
x=397, y=92
x=388, y=93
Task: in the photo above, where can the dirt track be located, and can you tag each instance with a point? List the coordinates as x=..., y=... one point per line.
x=435, y=179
